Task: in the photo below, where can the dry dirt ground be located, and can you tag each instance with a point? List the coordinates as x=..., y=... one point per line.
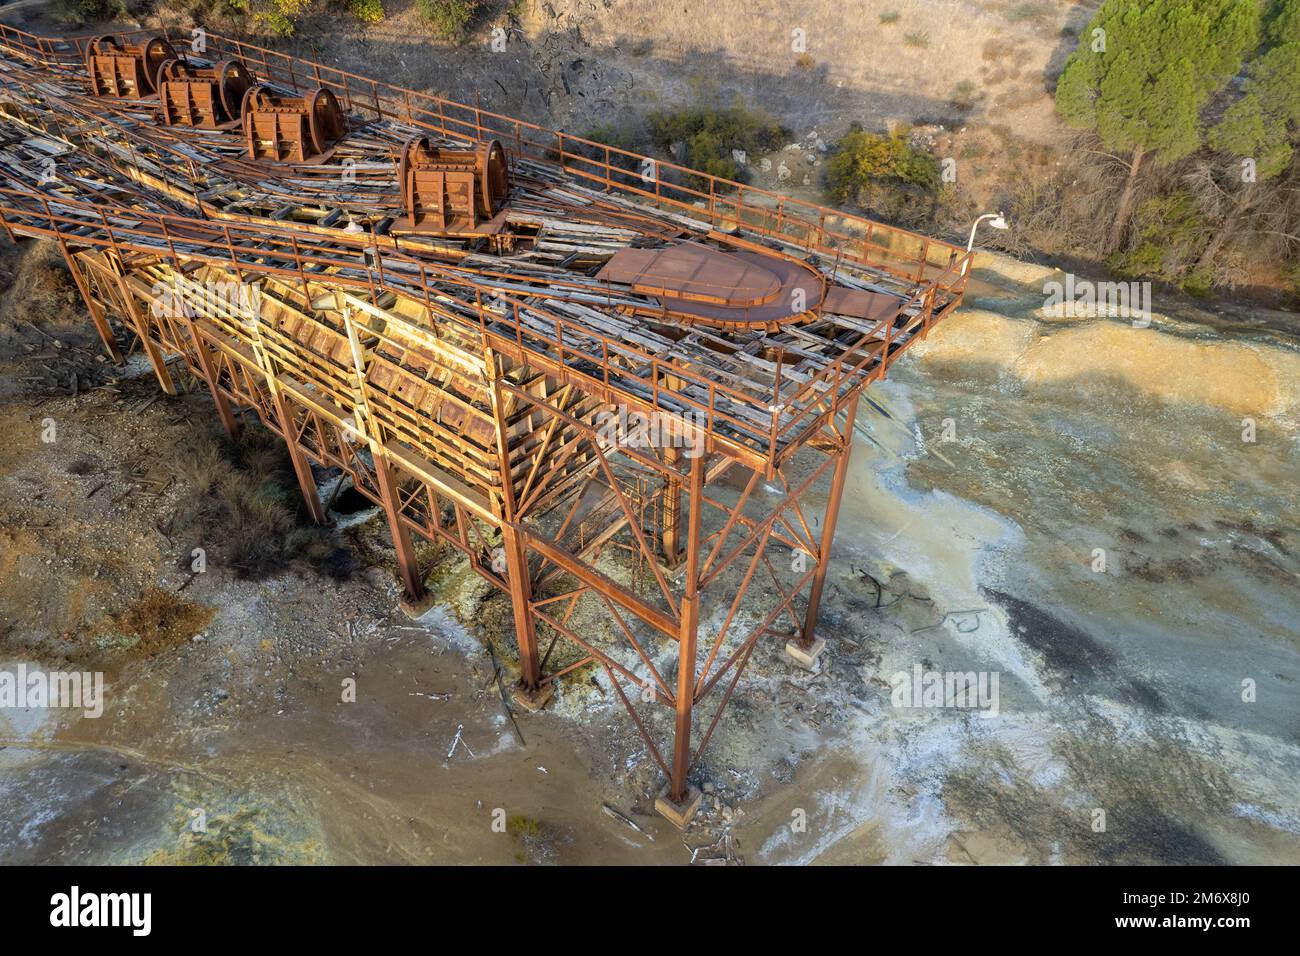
x=1120, y=691
x=973, y=77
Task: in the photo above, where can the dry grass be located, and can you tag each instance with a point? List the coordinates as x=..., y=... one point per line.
x=245, y=510
x=42, y=317
x=37, y=287
x=159, y=619
x=1022, y=12
x=998, y=48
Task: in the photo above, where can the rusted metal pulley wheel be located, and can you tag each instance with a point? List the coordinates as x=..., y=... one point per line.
x=172, y=69
x=251, y=97
x=324, y=119
x=100, y=44
x=233, y=81
x=415, y=145
x=156, y=52
x=495, y=180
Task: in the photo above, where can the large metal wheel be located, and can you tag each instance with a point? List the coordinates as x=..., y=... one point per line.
x=411, y=151
x=156, y=53
x=249, y=101
x=233, y=81
x=495, y=181
x=246, y=107
x=416, y=144
x=324, y=119
x=100, y=44
x=172, y=69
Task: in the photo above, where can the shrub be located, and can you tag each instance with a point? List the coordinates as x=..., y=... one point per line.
x=963, y=96
x=863, y=158
x=1169, y=234
x=449, y=18
x=885, y=173
x=615, y=136
x=159, y=619
x=80, y=12
x=40, y=290
x=619, y=138
x=276, y=17
x=709, y=137
x=244, y=506
x=1026, y=11
x=367, y=11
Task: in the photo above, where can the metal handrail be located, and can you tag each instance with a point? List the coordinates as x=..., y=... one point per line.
x=815, y=236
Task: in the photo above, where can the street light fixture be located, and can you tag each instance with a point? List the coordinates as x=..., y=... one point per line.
x=996, y=220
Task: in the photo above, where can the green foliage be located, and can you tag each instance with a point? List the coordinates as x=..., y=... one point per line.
x=80, y=12
x=1143, y=82
x=612, y=136
x=865, y=158
x=710, y=135
x=1169, y=233
x=367, y=11
x=618, y=137
x=277, y=17
x=886, y=174
x=1263, y=122
x=449, y=18
x=520, y=826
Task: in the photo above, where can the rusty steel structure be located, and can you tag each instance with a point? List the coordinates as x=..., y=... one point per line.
x=623, y=390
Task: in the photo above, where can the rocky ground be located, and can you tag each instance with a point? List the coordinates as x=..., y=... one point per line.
x=966, y=545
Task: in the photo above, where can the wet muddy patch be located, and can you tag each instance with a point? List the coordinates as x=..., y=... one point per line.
x=1097, y=799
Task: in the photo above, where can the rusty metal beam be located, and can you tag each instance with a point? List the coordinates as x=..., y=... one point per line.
x=460, y=378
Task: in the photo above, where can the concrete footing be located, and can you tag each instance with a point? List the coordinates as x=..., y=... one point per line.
x=532, y=701
x=805, y=657
x=417, y=609
x=679, y=814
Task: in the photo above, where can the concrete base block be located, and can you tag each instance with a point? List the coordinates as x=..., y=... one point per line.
x=679, y=814
x=805, y=657
x=532, y=701
x=417, y=609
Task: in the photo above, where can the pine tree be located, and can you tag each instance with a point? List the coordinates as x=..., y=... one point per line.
x=1260, y=128
x=1144, y=71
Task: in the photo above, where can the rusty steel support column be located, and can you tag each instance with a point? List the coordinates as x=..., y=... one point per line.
x=301, y=464
x=529, y=693
x=809, y=636
x=141, y=325
x=671, y=510
x=407, y=567
x=97, y=315
x=683, y=799
x=204, y=358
